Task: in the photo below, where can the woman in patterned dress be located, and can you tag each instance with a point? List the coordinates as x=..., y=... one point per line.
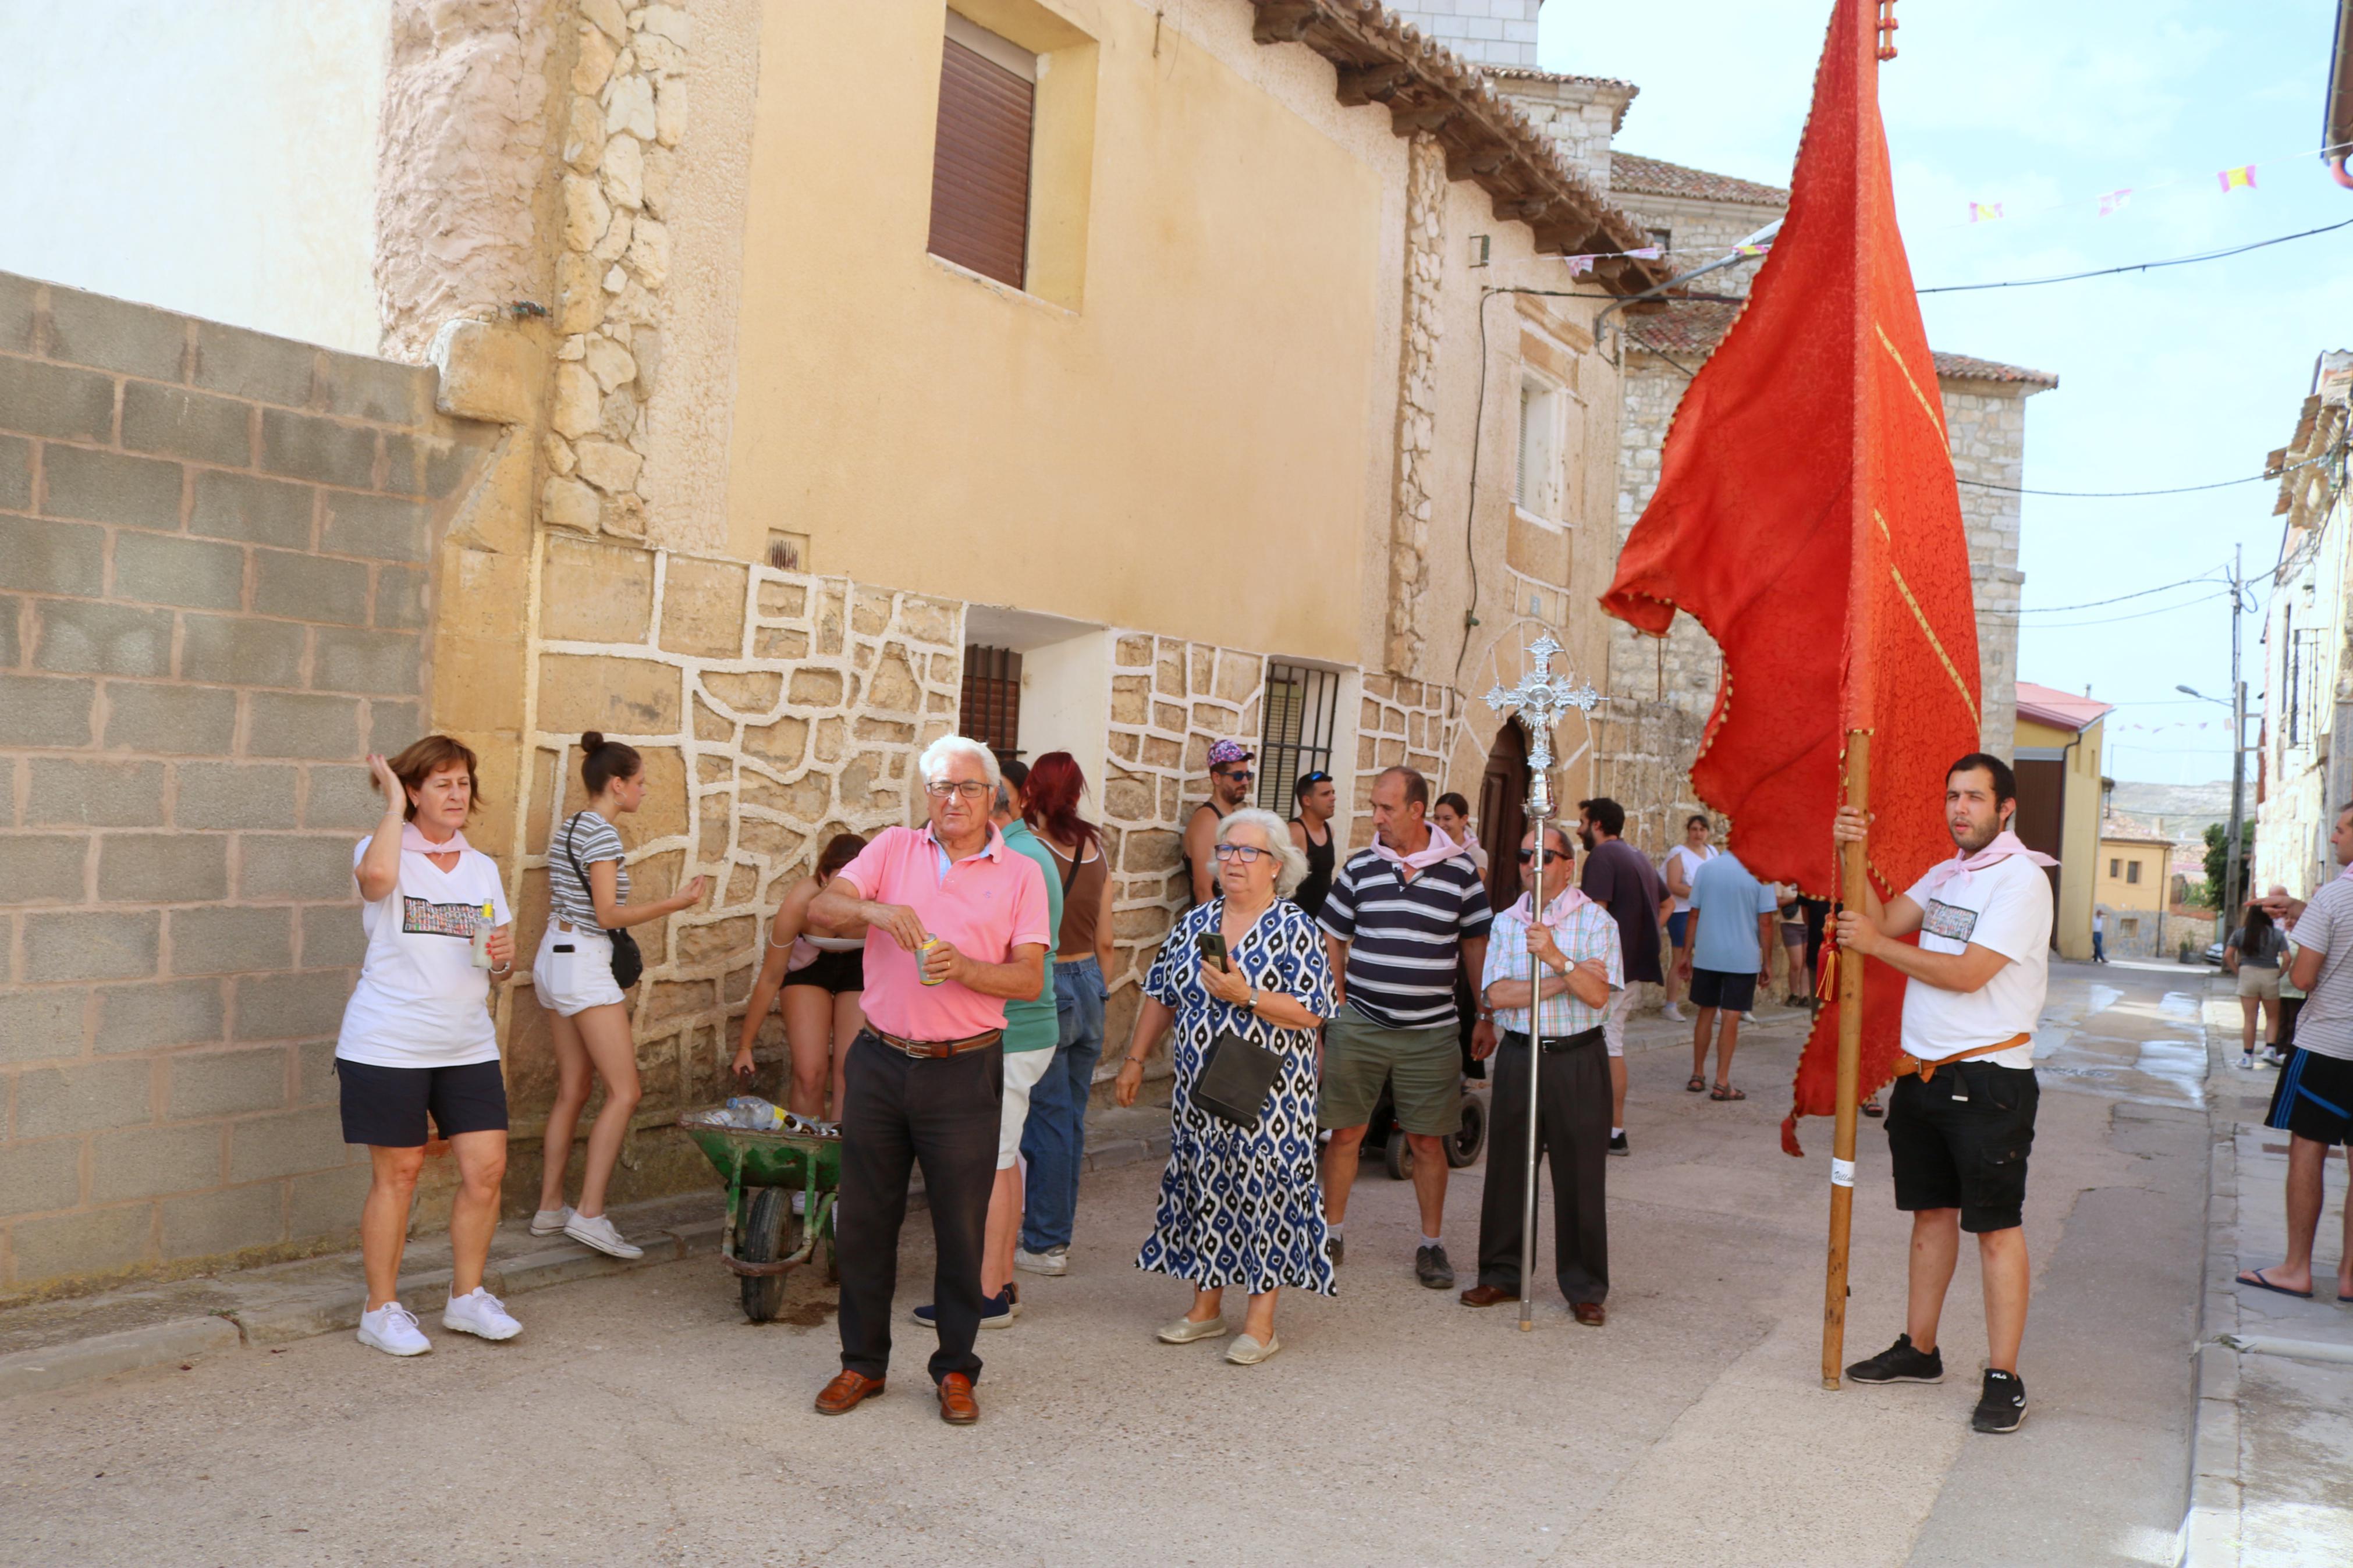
x=1240, y=1207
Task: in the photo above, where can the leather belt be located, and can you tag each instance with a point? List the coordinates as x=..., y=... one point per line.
x=1555, y=1043
x=937, y=1050
x=1906, y=1064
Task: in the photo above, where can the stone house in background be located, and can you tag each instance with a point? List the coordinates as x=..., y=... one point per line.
x=1103, y=377
x=2306, y=761
x=1661, y=690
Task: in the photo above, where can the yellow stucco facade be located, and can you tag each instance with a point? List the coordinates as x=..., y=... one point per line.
x=2077, y=754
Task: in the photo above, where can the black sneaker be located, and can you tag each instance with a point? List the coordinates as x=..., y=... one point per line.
x=1899, y=1362
x=1618, y=1143
x=2002, y=1406
x=1429, y=1267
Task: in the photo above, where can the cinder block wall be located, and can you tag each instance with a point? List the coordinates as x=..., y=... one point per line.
x=215, y=574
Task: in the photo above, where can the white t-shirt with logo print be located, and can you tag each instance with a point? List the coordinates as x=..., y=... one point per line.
x=2006, y=908
x=420, y=1002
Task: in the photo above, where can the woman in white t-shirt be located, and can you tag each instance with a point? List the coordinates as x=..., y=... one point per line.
x=417, y=1040
x=588, y=1018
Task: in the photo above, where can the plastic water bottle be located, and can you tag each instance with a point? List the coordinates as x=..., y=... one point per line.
x=482, y=938
x=756, y=1114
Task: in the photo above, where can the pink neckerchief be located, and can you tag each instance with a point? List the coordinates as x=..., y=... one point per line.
x=1560, y=907
x=411, y=838
x=2005, y=845
x=1440, y=847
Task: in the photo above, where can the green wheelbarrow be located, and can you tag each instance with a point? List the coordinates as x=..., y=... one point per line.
x=764, y=1239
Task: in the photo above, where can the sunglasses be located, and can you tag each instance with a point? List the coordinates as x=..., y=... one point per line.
x=1550, y=855
x=1239, y=775
x=1306, y=779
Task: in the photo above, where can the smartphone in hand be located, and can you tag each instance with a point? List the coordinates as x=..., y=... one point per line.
x=1212, y=946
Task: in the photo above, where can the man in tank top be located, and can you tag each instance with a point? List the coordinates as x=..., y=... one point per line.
x=1318, y=798
x=1229, y=787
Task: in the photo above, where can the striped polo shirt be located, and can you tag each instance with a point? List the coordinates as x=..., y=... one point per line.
x=1404, y=938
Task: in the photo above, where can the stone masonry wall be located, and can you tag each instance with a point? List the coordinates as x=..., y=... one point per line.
x=1491, y=32
x=215, y=554
x=1985, y=422
x=773, y=711
x=1425, y=251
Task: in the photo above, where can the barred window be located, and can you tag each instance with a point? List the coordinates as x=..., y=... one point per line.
x=1298, y=706
x=991, y=709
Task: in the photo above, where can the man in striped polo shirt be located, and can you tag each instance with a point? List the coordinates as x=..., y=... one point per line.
x=1400, y=916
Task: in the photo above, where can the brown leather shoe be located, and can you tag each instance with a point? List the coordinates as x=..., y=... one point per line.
x=1590, y=1313
x=957, y=1406
x=842, y=1394
x=1486, y=1296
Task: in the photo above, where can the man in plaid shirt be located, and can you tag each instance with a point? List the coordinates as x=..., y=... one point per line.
x=1550, y=985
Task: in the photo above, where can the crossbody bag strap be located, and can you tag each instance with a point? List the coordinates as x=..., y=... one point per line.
x=578, y=871
x=1070, y=876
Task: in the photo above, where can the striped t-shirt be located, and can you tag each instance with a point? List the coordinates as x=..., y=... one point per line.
x=1404, y=938
x=589, y=839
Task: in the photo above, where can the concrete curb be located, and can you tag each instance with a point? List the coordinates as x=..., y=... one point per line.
x=2210, y=1535
x=102, y=1355
x=279, y=1313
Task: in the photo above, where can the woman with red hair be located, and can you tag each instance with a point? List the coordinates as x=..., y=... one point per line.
x=1054, y=1139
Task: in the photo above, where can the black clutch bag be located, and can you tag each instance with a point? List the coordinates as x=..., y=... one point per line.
x=1236, y=1079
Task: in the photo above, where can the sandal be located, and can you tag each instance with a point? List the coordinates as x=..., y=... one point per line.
x=1726, y=1091
x=1872, y=1107
x=1696, y=1084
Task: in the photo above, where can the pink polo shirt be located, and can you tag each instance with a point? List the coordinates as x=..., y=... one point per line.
x=984, y=906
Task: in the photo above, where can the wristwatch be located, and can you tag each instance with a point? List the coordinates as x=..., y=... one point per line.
x=1253, y=1001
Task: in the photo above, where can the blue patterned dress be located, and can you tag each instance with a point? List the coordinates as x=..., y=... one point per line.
x=1242, y=1208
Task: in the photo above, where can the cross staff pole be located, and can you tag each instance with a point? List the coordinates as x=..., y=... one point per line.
x=1537, y=701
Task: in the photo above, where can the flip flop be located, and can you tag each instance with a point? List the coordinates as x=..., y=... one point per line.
x=1726, y=1091
x=1696, y=1084
x=2255, y=1276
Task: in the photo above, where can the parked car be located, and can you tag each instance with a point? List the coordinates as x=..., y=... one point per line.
x=2215, y=954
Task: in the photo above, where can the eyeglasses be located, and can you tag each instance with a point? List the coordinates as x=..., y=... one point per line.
x=1246, y=853
x=971, y=789
x=1550, y=855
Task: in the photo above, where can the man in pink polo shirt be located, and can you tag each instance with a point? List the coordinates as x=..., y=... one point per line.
x=956, y=923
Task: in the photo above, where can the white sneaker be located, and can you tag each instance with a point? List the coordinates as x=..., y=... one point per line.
x=479, y=1313
x=392, y=1329
x=1053, y=1260
x=548, y=1222
x=1672, y=1014
x=600, y=1233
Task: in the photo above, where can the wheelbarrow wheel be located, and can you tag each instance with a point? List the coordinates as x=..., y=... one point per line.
x=1470, y=1137
x=770, y=1231
x=1399, y=1156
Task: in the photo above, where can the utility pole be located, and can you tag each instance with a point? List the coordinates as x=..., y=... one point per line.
x=2231, y=892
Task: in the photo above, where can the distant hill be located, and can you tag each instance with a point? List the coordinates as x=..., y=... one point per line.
x=2177, y=812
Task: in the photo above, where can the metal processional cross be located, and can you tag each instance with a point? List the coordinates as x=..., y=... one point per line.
x=1539, y=701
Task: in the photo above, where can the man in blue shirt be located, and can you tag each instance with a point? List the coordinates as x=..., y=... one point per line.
x=1734, y=913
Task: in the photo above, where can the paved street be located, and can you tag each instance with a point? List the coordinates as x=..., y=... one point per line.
x=641, y=1418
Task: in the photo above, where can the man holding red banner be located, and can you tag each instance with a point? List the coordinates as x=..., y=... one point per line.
x=1961, y=1120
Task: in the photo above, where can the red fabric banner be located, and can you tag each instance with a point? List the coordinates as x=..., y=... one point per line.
x=1807, y=516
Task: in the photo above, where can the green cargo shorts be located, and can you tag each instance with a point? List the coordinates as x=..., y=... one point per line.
x=1423, y=1067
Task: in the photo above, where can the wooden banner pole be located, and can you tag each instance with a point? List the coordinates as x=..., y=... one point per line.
x=1851, y=887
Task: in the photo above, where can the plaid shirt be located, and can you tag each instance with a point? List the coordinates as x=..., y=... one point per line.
x=1584, y=929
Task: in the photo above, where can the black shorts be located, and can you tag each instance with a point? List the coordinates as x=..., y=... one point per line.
x=834, y=972
x=1722, y=988
x=387, y=1107
x=2313, y=1099
x=1960, y=1141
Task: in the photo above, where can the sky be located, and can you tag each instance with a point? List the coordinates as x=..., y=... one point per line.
x=2183, y=376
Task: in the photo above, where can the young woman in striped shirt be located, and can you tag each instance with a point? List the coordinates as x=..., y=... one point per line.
x=588, y=889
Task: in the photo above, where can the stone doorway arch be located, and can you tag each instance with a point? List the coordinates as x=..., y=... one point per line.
x=1502, y=812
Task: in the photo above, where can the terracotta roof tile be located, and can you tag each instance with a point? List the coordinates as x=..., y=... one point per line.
x=1631, y=174
x=1693, y=327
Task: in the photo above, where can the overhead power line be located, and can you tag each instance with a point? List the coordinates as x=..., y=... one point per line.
x=2170, y=490
x=2205, y=576
x=2136, y=265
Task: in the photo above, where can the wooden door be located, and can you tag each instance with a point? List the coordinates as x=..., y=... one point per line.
x=1503, y=812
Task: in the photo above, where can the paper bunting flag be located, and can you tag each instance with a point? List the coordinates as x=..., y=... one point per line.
x=1647, y=253
x=1750, y=249
x=1579, y=266
x=1984, y=212
x=2113, y=202
x=2231, y=179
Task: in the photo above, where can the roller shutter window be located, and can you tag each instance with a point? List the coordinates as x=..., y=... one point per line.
x=980, y=166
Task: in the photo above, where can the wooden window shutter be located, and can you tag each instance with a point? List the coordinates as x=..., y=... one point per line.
x=980, y=166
